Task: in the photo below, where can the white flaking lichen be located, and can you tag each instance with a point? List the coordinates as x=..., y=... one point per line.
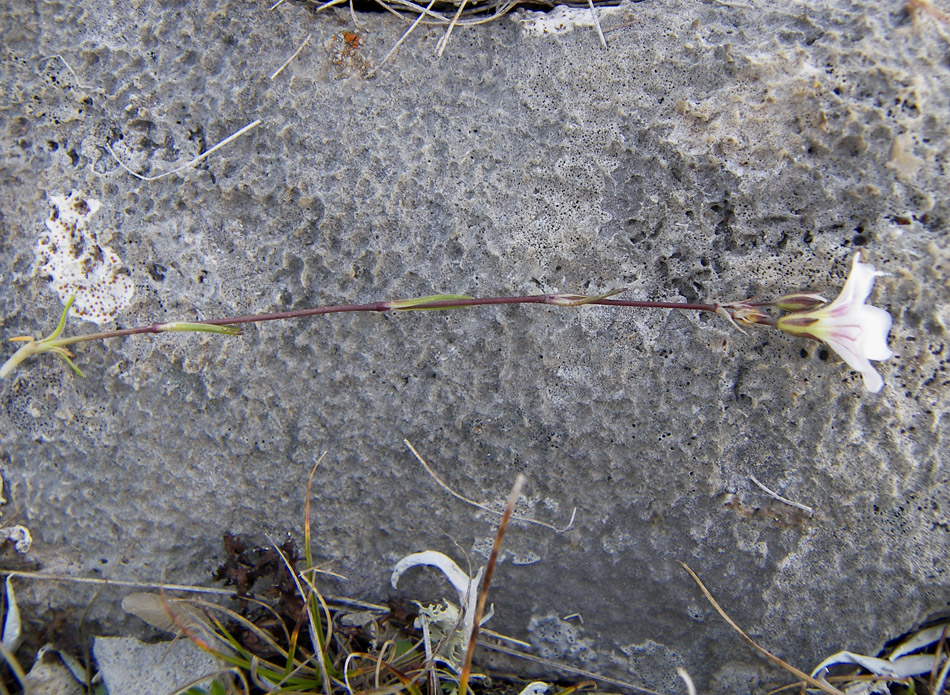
x=19, y=536
x=69, y=253
x=561, y=19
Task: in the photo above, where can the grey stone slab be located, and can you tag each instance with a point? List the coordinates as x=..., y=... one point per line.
x=130, y=666
x=715, y=151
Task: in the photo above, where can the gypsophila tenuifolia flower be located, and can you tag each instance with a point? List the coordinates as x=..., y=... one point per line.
x=855, y=330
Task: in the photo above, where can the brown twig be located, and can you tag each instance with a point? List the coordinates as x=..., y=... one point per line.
x=489, y=571
x=762, y=650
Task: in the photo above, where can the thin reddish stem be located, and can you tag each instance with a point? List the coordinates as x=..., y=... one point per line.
x=549, y=299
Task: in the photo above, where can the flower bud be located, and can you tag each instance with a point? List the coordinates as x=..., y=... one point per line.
x=800, y=301
x=748, y=315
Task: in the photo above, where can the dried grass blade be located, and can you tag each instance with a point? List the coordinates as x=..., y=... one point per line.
x=263, y=635
x=399, y=42
x=441, y=483
x=198, y=681
x=290, y=59
x=316, y=632
x=600, y=32
x=113, y=582
x=762, y=650
x=444, y=41
x=564, y=668
x=307, y=550
x=190, y=164
x=489, y=571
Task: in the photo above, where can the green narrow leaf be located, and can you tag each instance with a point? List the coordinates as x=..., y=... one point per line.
x=61, y=326
x=414, y=304
x=182, y=326
x=62, y=353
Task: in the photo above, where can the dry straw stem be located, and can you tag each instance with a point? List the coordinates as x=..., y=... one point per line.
x=184, y=588
x=764, y=652
x=71, y=71
x=320, y=642
x=478, y=505
x=400, y=41
x=331, y=3
x=158, y=586
x=444, y=41
x=775, y=495
x=190, y=164
x=600, y=32
x=290, y=59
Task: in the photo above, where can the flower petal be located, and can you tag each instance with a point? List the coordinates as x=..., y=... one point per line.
x=856, y=331
x=857, y=288
x=876, y=324
x=873, y=381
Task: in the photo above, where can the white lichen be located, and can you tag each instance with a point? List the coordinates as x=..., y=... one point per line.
x=562, y=19
x=450, y=625
x=69, y=253
x=19, y=536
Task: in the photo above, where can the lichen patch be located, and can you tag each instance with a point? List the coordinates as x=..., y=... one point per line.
x=562, y=19
x=69, y=253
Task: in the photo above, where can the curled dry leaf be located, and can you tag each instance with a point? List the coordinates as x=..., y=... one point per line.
x=465, y=586
x=12, y=629
x=165, y=614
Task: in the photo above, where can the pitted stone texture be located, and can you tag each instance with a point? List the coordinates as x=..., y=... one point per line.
x=130, y=666
x=714, y=152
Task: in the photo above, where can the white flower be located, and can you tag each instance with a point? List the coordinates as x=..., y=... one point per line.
x=856, y=331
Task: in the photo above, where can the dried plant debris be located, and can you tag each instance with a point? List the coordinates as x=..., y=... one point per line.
x=447, y=625
x=245, y=566
x=69, y=253
x=467, y=11
x=12, y=627
x=922, y=655
x=261, y=573
x=19, y=536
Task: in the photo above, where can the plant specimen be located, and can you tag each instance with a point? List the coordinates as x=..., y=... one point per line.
x=856, y=331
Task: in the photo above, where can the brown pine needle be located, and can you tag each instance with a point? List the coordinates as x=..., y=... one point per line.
x=763, y=651
x=489, y=571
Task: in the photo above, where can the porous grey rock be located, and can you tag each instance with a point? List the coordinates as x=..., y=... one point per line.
x=715, y=151
x=130, y=666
